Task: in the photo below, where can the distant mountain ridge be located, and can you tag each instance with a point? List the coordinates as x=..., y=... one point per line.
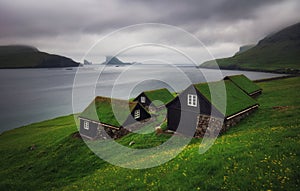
x=279, y=52
x=112, y=60
x=12, y=49
x=22, y=56
x=244, y=48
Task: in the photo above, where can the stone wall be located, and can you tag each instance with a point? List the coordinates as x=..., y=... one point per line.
x=237, y=119
x=154, y=109
x=107, y=132
x=215, y=126
x=208, y=124
x=104, y=132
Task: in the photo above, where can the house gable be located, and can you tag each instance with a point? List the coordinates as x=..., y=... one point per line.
x=182, y=117
x=146, y=101
x=91, y=131
x=142, y=113
x=153, y=96
x=203, y=104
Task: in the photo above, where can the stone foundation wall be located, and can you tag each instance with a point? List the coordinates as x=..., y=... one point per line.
x=104, y=132
x=107, y=132
x=215, y=126
x=237, y=119
x=155, y=109
x=208, y=124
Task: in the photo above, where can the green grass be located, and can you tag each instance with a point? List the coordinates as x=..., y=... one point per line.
x=278, y=57
x=260, y=153
x=244, y=83
x=109, y=111
x=275, y=53
x=163, y=95
x=216, y=92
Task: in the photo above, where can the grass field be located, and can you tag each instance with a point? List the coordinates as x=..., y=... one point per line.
x=277, y=52
x=260, y=153
x=280, y=57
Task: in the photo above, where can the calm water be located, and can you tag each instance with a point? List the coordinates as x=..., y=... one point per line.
x=31, y=95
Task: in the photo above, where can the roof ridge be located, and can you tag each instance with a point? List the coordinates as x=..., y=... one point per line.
x=156, y=90
x=211, y=82
x=235, y=75
x=116, y=99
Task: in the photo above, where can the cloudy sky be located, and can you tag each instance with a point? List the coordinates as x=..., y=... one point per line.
x=72, y=29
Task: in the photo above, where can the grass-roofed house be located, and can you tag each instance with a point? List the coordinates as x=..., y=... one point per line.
x=108, y=116
x=245, y=84
x=154, y=99
x=208, y=105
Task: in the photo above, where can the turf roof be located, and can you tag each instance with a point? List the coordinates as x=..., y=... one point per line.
x=109, y=111
x=236, y=99
x=244, y=83
x=162, y=95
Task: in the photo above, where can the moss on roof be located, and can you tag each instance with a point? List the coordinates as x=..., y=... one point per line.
x=163, y=95
x=236, y=99
x=109, y=111
x=244, y=83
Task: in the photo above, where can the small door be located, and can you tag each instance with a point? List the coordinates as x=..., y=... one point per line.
x=188, y=123
x=183, y=122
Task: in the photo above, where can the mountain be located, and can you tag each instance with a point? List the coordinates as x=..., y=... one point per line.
x=110, y=60
x=86, y=62
x=20, y=56
x=279, y=52
x=244, y=48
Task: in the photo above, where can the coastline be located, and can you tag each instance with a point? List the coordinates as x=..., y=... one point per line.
x=296, y=71
x=74, y=114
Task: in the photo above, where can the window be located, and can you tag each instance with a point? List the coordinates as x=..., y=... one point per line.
x=192, y=100
x=137, y=114
x=86, y=125
x=143, y=99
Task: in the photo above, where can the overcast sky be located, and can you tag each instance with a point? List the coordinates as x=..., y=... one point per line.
x=71, y=29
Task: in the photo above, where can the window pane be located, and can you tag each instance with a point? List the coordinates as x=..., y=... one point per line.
x=136, y=114
x=192, y=100
x=86, y=125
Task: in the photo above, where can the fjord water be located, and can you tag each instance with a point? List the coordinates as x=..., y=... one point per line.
x=32, y=95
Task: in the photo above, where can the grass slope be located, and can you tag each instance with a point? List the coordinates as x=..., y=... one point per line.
x=279, y=52
x=261, y=153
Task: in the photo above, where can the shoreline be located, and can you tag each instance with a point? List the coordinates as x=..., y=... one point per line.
x=297, y=73
x=275, y=78
x=256, y=81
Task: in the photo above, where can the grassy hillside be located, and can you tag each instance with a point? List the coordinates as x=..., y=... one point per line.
x=261, y=153
x=279, y=52
x=30, y=57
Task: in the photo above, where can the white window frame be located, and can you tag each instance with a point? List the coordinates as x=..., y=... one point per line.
x=86, y=125
x=192, y=100
x=143, y=99
x=137, y=114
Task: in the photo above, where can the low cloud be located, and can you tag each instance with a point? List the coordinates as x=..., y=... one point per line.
x=70, y=29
